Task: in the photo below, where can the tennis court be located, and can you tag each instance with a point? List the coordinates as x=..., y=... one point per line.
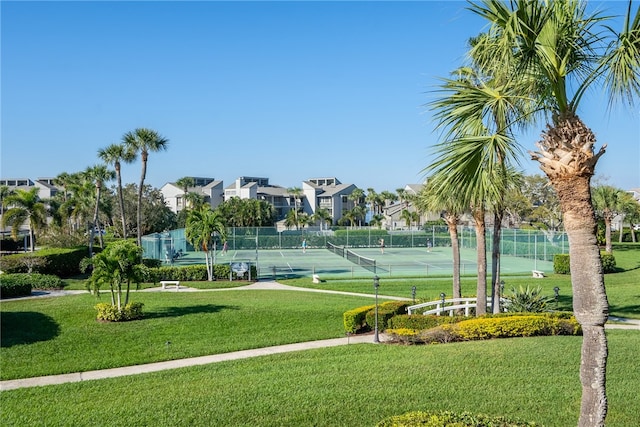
x=395, y=262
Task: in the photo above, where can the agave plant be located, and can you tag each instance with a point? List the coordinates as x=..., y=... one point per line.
x=527, y=300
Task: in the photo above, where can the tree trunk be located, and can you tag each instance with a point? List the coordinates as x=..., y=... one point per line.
x=495, y=261
x=590, y=304
x=143, y=174
x=567, y=157
x=121, y=199
x=452, y=223
x=481, y=242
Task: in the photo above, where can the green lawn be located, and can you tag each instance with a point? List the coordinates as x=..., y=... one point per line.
x=60, y=334
x=357, y=385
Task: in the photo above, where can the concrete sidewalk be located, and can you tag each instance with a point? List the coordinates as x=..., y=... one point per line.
x=180, y=363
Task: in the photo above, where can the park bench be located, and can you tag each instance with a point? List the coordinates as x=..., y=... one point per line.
x=537, y=274
x=164, y=284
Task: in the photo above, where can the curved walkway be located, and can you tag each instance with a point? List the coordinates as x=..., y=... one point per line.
x=203, y=360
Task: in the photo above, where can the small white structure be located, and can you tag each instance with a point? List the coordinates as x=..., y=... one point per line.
x=316, y=279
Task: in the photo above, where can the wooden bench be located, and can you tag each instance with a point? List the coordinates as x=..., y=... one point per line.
x=538, y=274
x=164, y=284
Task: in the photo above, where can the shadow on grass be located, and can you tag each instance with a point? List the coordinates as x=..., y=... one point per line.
x=622, y=310
x=187, y=310
x=26, y=327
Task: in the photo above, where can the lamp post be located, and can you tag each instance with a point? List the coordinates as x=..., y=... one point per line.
x=413, y=293
x=442, y=296
x=376, y=285
x=501, y=293
x=557, y=292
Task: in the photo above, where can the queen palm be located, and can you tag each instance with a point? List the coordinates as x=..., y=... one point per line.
x=323, y=216
x=607, y=201
x=24, y=206
x=143, y=141
x=185, y=182
x=561, y=51
x=116, y=154
x=98, y=175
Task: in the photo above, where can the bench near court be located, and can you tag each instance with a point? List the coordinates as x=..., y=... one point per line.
x=176, y=283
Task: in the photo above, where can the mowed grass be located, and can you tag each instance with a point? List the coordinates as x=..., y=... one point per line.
x=60, y=334
x=532, y=379
x=623, y=286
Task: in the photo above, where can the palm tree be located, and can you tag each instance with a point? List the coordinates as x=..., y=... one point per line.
x=561, y=51
x=4, y=192
x=143, y=141
x=376, y=221
x=116, y=154
x=185, y=182
x=98, y=175
x=631, y=213
x=202, y=227
x=24, y=206
x=372, y=198
x=607, y=202
x=323, y=216
x=405, y=215
x=433, y=199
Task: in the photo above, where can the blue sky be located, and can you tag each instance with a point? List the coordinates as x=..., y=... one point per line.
x=285, y=90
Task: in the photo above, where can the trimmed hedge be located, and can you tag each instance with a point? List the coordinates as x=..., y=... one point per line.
x=21, y=284
x=194, y=273
x=355, y=320
x=418, y=322
x=488, y=327
x=62, y=262
x=446, y=418
x=561, y=263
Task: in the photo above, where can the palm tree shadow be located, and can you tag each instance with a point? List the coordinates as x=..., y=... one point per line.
x=187, y=310
x=26, y=327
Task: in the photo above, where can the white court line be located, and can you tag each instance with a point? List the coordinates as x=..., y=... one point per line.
x=290, y=267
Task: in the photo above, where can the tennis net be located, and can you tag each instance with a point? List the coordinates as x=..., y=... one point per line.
x=338, y=250
x=368, y=263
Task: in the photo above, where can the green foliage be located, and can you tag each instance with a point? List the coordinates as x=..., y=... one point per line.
x=418, y=322
x=561, y=263
x=527, y=300
x=192, y=273
x=608, y=262
x=504, y=325
x=14, y=285
x=152, y=262
x=355, y=320
x=110, y=313
x=450, y=419
x=386, y=311
x=62, y=262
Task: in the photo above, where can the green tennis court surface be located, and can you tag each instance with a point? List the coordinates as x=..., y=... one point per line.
x=395, y=262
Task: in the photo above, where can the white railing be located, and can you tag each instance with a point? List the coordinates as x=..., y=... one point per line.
x=450, y=305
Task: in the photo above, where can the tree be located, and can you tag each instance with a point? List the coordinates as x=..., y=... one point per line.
x=296, y=193
x=561, y=51
x=116, y=266
x=156, y=215
x=185, y=182
x=433, y=198
x=24, y=206
x=376, y=221
x=607, y=202
x=116, y=154
x=323, y=216
x=373, y=199
x=203, y=226
x=4, y=192
x=143, y=141
x=405, y=215
x=631, y=214
x=98, y=175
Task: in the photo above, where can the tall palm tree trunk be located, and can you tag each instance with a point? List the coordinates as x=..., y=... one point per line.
x=452, y=224
x=567, y=157
x=481, y=243
x=590, y=304
x=143, y=174
x=121, y=200
x=495, y=261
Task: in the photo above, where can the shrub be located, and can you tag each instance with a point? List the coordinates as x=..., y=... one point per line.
x=561, y=263
x=386, y=311
x=63, y=262
x=23, y=283
x=515, y=326
x=420, y=322
x=355, y=320
x=446, y=418
x=152, y=262
x=13, y=285
x=608, y=262
x=110, y=313
x=527, y=300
